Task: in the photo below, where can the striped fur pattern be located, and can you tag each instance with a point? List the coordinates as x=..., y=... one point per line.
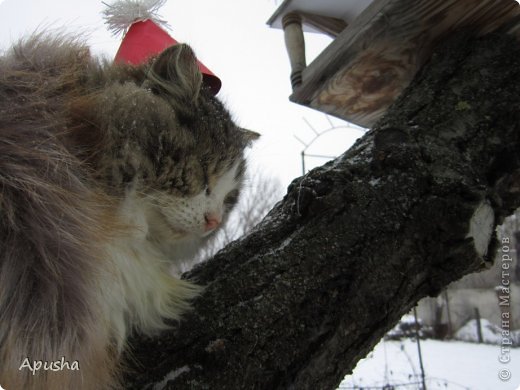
x=107, y=174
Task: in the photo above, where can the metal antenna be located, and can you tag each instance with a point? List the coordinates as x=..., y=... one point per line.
x=417, y=338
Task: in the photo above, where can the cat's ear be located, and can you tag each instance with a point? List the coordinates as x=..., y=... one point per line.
x=176, y=72
x=248, y=135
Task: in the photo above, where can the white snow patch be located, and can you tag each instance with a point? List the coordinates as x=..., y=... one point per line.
x=408, y=319
x=491, y=334
x=448, y=365
x=285, y=243
x=481, y=227
x=172, y=375
x=374, y=182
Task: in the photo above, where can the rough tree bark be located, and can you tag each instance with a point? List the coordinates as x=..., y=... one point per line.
x=411, y=207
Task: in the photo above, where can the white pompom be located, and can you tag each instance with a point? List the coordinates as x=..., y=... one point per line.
x=120, y=15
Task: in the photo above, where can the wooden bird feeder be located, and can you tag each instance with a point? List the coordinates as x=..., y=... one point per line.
x=378, y=47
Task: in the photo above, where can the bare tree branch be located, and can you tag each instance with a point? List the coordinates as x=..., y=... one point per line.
x=355, y=243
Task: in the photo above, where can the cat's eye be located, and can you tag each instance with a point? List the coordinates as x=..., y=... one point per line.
x=231, y=198
x=208, y=191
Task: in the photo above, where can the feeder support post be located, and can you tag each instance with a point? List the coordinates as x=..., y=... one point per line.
x=295, y=43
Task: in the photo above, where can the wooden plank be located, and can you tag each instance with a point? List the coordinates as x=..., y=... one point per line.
x=326, y=24
x=346, y=10
x=360, y=74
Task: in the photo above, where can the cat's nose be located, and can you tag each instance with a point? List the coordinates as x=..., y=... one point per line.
x=212, y=222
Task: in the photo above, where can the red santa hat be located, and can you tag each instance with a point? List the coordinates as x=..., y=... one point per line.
x=144, y=36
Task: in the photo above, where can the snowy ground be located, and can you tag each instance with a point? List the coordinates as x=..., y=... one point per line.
x=453, y=365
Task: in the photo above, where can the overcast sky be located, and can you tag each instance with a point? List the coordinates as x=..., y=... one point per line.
x=232, y=39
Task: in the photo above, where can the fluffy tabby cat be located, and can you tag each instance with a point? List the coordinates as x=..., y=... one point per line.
x=108, y=175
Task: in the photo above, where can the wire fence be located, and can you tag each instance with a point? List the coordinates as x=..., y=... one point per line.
x=414, y=384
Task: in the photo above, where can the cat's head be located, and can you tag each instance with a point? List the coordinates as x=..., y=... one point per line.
x=198, y=159
x=201, y=213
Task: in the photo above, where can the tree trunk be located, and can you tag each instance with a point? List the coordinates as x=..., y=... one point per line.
x=354, y=244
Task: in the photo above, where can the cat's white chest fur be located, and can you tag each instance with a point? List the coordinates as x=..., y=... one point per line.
x=138, y=289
